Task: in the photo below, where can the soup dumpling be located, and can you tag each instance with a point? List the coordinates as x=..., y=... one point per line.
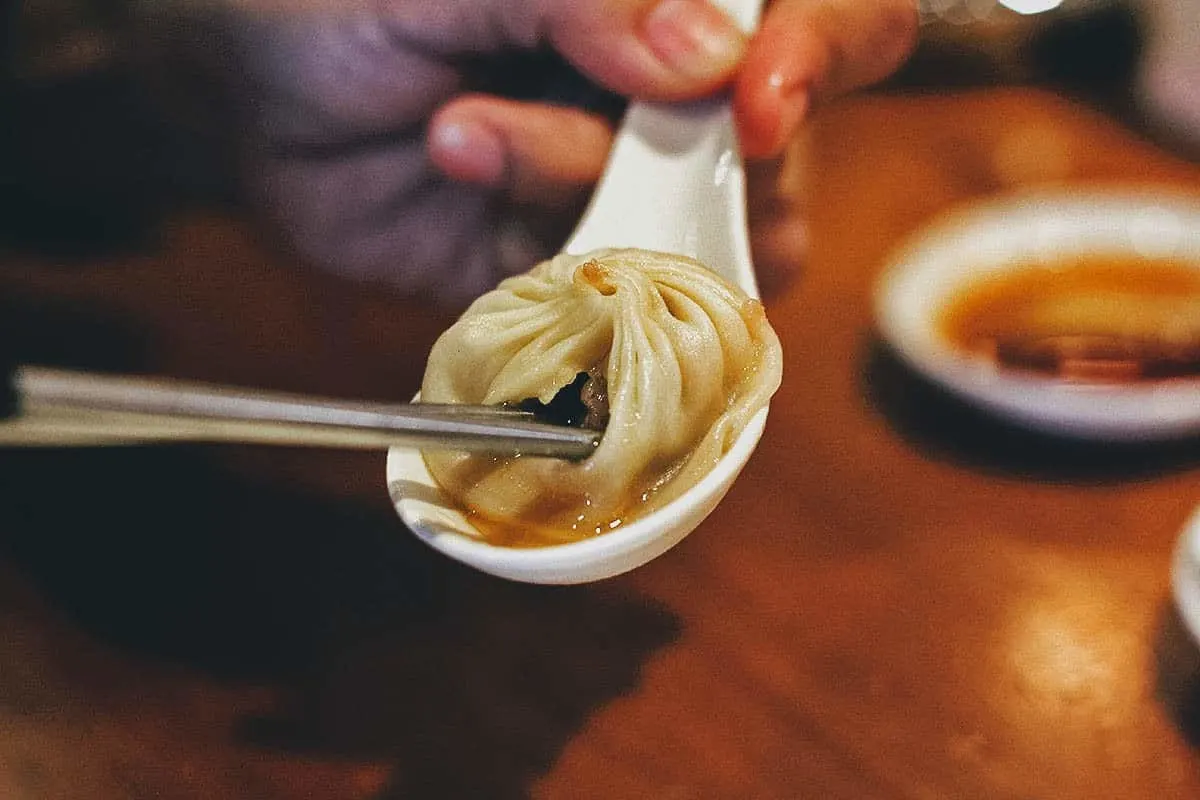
x=672, y=362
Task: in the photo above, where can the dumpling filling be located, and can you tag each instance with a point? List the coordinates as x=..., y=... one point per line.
x=582, y=404
x=656, y=350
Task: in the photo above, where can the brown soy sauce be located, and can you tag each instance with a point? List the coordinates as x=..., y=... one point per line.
x=1089, y=319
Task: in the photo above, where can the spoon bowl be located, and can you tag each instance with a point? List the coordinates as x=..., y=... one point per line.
x=674, y=183
x=444, y=527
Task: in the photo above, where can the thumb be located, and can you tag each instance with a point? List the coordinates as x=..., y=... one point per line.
x=646, y=49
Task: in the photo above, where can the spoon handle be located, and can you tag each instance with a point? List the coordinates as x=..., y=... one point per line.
x=675, y=183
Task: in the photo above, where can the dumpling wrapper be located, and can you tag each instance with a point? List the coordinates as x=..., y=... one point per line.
x=689, y=359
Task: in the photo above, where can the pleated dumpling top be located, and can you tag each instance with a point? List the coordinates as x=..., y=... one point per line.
x=664, y=355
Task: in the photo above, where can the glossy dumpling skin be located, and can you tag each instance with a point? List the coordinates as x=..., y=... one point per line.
x=689, y=359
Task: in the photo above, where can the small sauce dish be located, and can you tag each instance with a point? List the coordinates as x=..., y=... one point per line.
x=1072, y=313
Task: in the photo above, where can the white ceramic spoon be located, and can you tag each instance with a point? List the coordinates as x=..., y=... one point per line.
x=674, y=183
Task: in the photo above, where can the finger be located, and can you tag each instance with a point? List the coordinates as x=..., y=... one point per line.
x=778, y=216
x=373, y=215
x=650, y=49
x=810, y=49
x=539, y=154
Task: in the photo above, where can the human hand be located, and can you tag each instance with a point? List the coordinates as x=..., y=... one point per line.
x=379, y=161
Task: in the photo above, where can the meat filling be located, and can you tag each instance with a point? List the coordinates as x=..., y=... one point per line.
x=582, y=404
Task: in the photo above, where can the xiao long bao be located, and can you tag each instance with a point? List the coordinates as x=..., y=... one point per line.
x=656, y=350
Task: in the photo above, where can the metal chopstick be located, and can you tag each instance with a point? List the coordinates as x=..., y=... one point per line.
x=164, y=409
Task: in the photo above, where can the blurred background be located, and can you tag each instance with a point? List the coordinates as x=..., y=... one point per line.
x=92, y=155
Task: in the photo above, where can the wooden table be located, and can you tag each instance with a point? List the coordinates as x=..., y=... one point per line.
x=899, y=599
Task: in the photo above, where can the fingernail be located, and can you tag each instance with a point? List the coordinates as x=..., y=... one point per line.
x=693, y=38
x=792, y=110
x=780, y=110
x=468, y=151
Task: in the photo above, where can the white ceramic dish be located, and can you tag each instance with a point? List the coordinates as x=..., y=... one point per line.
x=987, y=239
x=1185, y=575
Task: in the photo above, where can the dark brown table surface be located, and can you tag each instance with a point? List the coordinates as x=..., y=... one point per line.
x=899, y=598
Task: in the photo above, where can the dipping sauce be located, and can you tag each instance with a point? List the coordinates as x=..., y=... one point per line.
x=1091, y=319
x=543, y=526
